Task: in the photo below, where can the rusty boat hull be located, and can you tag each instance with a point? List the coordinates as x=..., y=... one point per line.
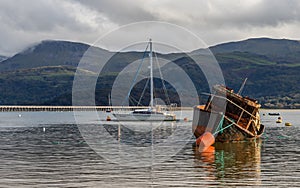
x=239, y=121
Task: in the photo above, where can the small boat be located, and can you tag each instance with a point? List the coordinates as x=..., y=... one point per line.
x=239, y=119
x=153, y=113
x=274, y=114
x=108, y=118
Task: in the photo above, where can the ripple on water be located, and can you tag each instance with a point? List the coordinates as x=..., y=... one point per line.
x=59, y=157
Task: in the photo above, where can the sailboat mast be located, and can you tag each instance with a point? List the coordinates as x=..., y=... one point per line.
x=151, y=74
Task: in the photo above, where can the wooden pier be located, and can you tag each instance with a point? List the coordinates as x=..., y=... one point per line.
x=80, y=108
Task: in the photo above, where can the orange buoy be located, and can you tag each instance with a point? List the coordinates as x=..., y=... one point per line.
x=208, y=155
x=205, y=140
x=288, y=124
x=108, y=118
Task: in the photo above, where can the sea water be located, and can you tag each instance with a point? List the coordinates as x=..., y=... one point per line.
x=49, y=149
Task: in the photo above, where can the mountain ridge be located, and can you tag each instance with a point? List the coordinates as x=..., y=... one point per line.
x=2, y=58
x=271, y=65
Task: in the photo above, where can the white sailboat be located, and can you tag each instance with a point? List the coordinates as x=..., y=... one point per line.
x=149, y=114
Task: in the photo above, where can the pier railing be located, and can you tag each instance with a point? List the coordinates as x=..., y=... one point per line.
x=81, y=108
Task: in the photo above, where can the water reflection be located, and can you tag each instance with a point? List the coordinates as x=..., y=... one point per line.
x=136, y=143
x=239, y=160
x=142, y=133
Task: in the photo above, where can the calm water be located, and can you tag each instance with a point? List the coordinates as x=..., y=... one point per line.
x=47, y=149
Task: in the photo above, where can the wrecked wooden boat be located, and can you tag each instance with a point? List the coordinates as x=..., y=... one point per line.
x=228, y=116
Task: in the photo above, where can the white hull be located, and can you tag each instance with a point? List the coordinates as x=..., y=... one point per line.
x=144, y=117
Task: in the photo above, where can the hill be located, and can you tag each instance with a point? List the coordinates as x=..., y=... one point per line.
x=2, y=58
x=34, y=86
x=43, y=73
x=271, y=66
x=50, y=53
x=281, y=51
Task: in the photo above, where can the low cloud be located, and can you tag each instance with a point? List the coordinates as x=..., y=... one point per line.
x=215, y=21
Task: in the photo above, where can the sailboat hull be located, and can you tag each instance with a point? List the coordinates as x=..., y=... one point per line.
x=144, y=117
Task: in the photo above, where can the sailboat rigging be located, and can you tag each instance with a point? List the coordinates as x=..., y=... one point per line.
x=152, y=113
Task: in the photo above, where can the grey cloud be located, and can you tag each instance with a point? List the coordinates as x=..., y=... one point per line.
x=267, y=13
x=34, y=15
x=235, y=13
x=214, y=19
x=121, y=12
x=27, y=21
x=202, y=12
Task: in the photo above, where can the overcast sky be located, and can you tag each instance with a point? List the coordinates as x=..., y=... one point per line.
x=25, y=22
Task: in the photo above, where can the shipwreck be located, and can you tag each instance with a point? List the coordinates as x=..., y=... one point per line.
x=227, y=116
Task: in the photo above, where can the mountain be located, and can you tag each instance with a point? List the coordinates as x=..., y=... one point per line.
x=49, y=53
x=282, y=51
x=43, y=74
x=2, y=58
x=271, y=66
x=34, y=86
x=262, y=46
